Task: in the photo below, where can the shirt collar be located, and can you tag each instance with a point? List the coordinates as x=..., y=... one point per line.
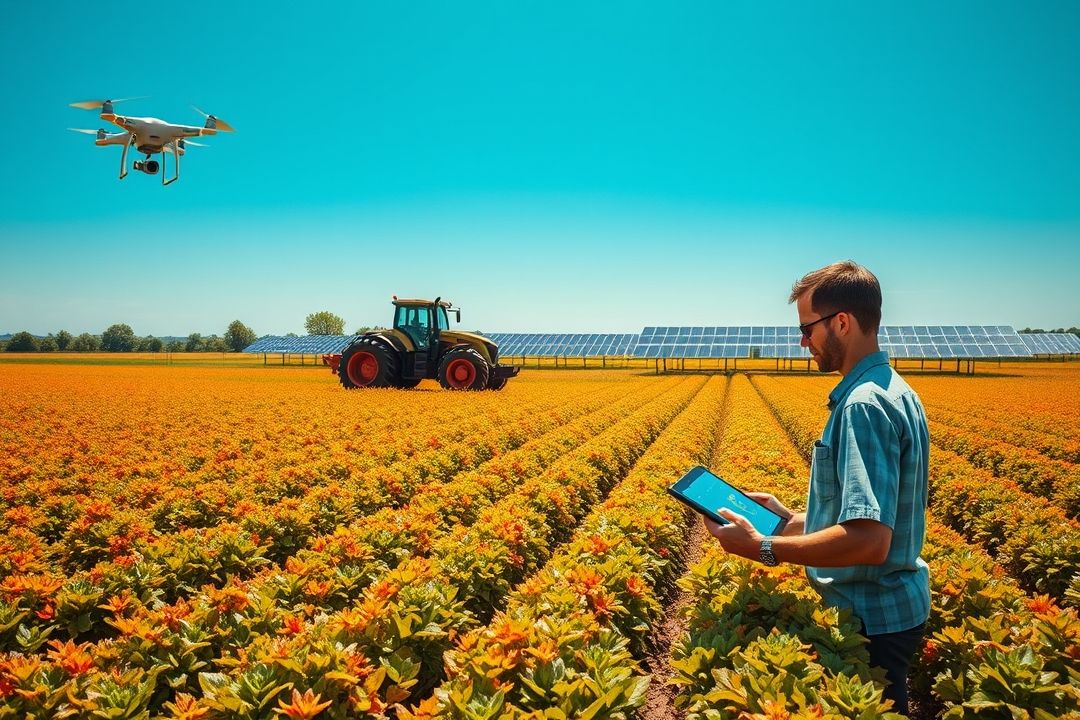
x=872, y=360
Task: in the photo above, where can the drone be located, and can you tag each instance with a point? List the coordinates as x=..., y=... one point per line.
x=149, y=136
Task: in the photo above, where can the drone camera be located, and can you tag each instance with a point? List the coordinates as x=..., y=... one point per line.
x=150, y=167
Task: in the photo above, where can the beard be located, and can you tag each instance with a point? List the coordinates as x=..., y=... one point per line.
x=831, y=354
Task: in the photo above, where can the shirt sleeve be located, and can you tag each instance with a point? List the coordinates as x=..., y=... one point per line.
x=868, y=465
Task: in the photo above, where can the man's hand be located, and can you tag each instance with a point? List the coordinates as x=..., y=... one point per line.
x=770, y=502
x=738, y=537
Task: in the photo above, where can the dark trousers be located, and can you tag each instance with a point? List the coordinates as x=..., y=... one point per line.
x=894, y=651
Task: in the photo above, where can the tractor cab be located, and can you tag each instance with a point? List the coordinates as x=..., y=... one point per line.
x=422, y=320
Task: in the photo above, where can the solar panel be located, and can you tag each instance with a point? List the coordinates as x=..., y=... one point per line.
x=720, y=342
x=308, y=344
x=564, y=344
x=1051, y=343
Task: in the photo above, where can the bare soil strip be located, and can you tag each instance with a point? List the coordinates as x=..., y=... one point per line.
x=660, y=702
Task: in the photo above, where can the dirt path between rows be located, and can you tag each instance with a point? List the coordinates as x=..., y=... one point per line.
x=660, y=701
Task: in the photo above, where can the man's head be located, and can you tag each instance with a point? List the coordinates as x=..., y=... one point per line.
x=839, y=313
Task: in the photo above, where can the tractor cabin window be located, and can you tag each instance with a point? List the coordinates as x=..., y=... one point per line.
x=416, y=323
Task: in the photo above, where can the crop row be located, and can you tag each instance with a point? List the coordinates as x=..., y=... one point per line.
x=1039, y=402
x=238, y=651
x=1007, y=431
x=1039, y=475
x=565, y=645
x=982, y=625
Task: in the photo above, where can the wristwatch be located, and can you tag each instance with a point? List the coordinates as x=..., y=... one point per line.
x=766, y=555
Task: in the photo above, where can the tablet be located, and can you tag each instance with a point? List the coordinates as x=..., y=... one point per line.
x=707, y=493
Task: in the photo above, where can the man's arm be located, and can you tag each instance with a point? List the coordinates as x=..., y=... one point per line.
x=855, y=542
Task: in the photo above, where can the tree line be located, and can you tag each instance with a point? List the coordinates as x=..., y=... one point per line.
x=1029, y=331
x=121, y=338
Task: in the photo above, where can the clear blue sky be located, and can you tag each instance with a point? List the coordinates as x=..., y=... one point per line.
x=548, y=166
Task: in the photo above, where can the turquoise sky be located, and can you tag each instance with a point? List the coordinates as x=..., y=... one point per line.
x=548, y=166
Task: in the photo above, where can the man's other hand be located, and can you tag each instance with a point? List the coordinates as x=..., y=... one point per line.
x=738, y=537
x=770, y=502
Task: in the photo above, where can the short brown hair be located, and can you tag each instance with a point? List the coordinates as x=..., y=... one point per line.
x=843, y=287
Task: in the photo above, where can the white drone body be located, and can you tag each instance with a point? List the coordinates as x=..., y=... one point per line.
x=149, y=136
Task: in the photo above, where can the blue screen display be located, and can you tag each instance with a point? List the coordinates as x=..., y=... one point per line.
x=713, y=493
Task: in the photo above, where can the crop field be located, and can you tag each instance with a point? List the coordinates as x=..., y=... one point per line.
x=184, y=541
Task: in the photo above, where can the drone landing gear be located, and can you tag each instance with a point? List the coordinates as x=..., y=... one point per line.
x=176, y=166
x=123, y=157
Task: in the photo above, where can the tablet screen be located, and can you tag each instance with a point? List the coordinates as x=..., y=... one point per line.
x=711, y=492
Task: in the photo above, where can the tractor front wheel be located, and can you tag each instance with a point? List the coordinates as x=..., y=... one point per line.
x=368, y=363
x=497, y=383
x=463, y=369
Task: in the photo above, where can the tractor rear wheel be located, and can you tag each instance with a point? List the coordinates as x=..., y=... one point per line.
x=496, y=383
x=368, y=363
x=463, y=369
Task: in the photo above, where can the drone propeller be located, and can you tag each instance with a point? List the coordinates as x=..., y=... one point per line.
x=100, y=133
x=184, y=142
x=98, y=104
x=215, y=122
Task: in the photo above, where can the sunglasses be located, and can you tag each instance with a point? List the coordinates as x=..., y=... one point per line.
x=806, y=329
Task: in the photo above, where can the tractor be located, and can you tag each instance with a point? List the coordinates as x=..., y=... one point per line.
x=421, y=345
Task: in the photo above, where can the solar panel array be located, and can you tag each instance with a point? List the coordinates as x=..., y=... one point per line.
x=951, y=341
x=900, y=341
x=564, y=344
x=1051, y=343
x=308, y=344
x=720, y=342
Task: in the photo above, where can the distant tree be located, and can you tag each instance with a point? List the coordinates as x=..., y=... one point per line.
x=48, y=344
x=22, y=342
x=119, y=338
x=63, y=340
x=239, y=336
x=215, y=344
x=175, y=346
x=291, y=335
x=324, y=323
x=194, y=343
x=151, y=344
x=85, y=343
x=366, y=328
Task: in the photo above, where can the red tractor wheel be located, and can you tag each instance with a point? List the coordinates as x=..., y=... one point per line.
x=363, y=368
x=368, y=363
x=463, y=369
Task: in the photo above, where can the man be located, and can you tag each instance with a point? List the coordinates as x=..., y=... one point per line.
x=865, y=518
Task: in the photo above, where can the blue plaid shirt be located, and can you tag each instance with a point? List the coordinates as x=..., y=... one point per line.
x=871, y=462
